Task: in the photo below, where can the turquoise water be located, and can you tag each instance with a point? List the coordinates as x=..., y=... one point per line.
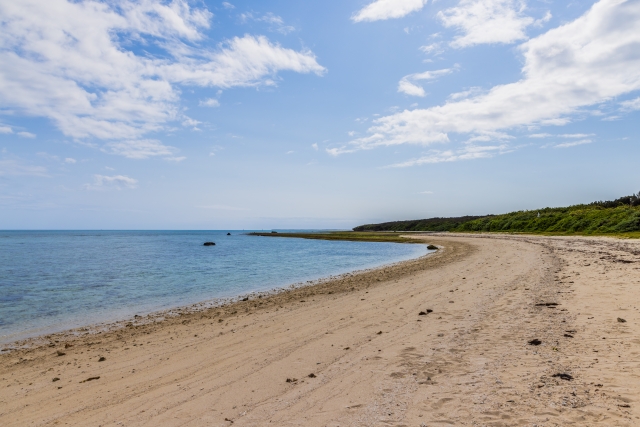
x=51, y=281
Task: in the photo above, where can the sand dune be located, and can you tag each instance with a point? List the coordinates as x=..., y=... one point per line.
x=356, y=352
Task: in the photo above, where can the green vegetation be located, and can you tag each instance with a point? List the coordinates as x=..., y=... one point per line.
x=580, y=219
x=616, y=217
x=344, y=235
x=430, y=224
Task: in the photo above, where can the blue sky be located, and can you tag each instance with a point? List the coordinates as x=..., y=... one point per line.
x=177, y=114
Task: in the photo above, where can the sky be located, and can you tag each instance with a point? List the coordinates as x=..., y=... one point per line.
x=176, y=114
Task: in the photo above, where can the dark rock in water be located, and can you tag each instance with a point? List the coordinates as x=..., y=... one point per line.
x=274, y=232
x=535, y=342
x=563, y=376
x=228, y=234
x=432, y=247
x=209, y=244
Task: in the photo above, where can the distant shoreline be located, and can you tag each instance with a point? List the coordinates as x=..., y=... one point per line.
x=352, y=236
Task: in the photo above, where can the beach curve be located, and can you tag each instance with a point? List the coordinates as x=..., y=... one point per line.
x=356, y=351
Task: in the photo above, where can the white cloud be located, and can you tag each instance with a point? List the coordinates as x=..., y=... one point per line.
x=567, y=69
x=26, y=134
x=576, y=135
x=314, y=146
x=17, y=168
x=426, y=192
x=276, y=22
x=244, y=61
x=118, y=182
x=573, y=143
x=487, y=21
x=564, y=135
x=290, y=152
x=473, y=91
x=70, y=160
x=407, y=85
x=188, y=121
x=387, y=9
x=75, y=63
x=227, y=5
x=6, y=129
x=337, y=151
x=211, y=102
x=215, y=149
x=631, y=105
x=175, y=159
x=139, y=148
x=467, y=153
x=432, y=48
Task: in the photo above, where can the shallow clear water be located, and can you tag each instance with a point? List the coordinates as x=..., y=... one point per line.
x=55, y=280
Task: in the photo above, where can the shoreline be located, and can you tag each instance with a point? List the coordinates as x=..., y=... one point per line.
x=490, y=330
x=156, y=316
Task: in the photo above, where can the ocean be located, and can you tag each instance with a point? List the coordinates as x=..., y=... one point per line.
x=51, y=281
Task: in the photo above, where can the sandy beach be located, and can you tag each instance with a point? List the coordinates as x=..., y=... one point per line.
x=357, y=352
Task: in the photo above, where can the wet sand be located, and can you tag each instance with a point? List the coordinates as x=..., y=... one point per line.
x=356, y=352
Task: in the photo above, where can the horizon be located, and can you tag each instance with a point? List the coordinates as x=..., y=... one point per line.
x=214, y=115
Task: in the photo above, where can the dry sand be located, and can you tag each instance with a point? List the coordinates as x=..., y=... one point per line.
x=375, y=361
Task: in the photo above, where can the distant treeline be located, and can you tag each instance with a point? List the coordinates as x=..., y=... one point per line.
x=603, y=217
x=430, y=224
x=632, y=200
